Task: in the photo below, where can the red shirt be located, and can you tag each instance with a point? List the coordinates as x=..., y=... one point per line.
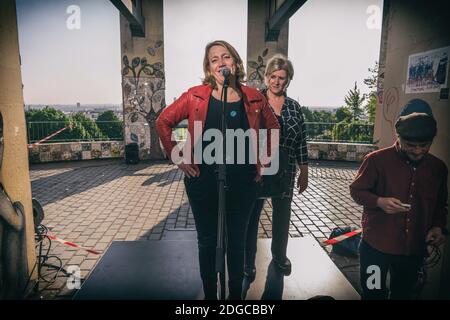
x=387, y=173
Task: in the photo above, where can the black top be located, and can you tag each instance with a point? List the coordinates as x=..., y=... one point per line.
x=280, y=120
x=236, y=118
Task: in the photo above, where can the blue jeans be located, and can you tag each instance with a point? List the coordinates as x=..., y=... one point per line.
x=403, y=270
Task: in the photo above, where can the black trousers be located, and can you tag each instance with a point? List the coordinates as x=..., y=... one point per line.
x=202, y=192
x=280, y=229
x=403, y=271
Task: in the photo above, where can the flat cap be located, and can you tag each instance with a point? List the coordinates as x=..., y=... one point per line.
x=416, y=126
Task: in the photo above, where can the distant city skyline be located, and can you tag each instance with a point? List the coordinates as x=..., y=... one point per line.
x=75, y=108
x=331, y=45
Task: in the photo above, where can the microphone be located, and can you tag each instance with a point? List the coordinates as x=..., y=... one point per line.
x=225, y=72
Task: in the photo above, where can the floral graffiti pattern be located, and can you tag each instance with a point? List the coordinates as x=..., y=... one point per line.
x=256, y=77
x=144, y=96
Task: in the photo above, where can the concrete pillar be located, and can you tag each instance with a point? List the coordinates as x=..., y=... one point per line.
x=381, y=71
x=14, y=171
x=143, y=80
x=258, y=50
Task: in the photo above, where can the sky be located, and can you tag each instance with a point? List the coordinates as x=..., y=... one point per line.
x=66, y=60
x=331, y=47
x=66, y=66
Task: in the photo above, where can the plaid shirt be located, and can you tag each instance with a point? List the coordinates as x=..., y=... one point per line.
x=293, y=137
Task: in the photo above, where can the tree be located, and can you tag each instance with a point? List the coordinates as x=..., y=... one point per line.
x=84, y=128
x=371, y=107
x=324, y=116
x=110, y=125
x=372, y=83
x=354, y=100
x=42, y=123
x=46, y=114
x=343, y=114
x=356, y=131
x=320, y=129
x=307, y=114
x=45, y=122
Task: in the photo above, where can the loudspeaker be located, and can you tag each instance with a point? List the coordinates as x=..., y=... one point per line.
x=132, y=153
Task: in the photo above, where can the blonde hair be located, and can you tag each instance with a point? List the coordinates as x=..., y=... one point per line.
x=240, y=71
x=276, y=63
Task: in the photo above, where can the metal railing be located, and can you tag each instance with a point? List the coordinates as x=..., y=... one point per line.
x=319, y=131
x=76, y=131
x=340, y=132
x=113, y=130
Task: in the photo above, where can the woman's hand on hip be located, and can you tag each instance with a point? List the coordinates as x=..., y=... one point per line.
x=302, y=180
x=190, y=170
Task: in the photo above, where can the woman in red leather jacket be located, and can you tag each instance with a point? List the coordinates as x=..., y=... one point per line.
x=202, y=106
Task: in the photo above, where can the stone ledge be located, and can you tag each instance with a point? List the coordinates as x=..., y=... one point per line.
x=339, y=151
x=73, y=151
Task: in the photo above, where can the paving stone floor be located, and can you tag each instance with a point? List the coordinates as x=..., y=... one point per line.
x=95, y=202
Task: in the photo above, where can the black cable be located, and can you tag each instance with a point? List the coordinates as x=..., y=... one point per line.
x=433, y=256
x=44, y=243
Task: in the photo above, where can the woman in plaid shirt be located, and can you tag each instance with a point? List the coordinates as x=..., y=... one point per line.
x=278, y=74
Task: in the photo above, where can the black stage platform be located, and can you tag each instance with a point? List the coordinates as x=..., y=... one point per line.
x=168, y=270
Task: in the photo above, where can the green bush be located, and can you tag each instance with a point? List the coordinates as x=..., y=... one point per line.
x=113, y=129
x=79, y=127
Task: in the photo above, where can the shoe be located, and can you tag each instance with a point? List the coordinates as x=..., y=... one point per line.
x=250, y=273
x=285, y=267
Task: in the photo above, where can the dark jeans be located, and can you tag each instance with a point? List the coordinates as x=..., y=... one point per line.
x=203, y=198
x=280, y=229
x=403, y=271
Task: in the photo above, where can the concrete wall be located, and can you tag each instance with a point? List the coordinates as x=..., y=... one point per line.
x=258, y=50
x=14, y=170
x=413, y=27
x=143, y=82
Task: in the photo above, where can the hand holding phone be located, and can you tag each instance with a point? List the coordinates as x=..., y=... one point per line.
x=406, y=205
x=392, y=205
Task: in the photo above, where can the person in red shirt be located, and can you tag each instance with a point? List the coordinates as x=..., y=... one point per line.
x=403, y=190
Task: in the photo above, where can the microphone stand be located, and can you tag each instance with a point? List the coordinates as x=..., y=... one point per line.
x=221, y=223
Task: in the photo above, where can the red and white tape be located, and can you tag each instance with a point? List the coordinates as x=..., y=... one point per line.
x=46, y=138
x=71, y=244
x=342, y=237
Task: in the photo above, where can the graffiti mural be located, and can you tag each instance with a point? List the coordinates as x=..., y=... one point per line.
x=143, y=86
x=390, y=108
x=256, y=71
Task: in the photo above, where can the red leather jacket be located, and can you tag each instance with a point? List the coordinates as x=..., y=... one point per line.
x=193, y=105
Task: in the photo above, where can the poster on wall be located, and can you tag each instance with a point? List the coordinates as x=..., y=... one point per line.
x=427, y=71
